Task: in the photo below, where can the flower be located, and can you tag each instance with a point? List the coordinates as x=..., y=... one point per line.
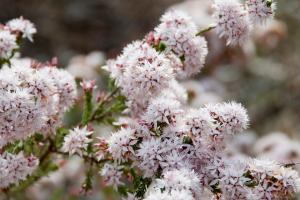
x=260, y=10
x=120, y=144
x=231, y=117
x=65, y=84
x=179, y=180
x=24, y=26
x=273, y=181
x=162, y=109
x=149, y=156
x=232, y=21
x=177, y=32
x=173, y=195
x=8, y=43
x=199, y=122
x=77, y=141
x=88, y=86
x=15, y=168
x=20, y=116
x=233, y=180
x=101, y=147
x=31, y=100
x=112, y=174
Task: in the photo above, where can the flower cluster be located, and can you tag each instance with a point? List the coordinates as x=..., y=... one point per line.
x=235, y=21
x=163, y=149
x=260, y=10
x=185, y=149
x=176, y=184
x=177, y=32
x=10, y=35
x=33, y=99
x=15, y=168
x=77, y=141
x=146, y=67
x=263, y=180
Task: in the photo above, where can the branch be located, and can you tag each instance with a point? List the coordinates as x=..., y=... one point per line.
x=101, y=103
x=201, y=32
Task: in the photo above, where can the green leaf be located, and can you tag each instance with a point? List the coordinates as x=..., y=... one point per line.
x=161, y=47
x=111, y=84
x=187, y=140
x=140, y=185
x=123, y=190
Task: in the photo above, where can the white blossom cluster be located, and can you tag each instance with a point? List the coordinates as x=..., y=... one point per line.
x=15, y=168
x=178, y=33
x=33, y=99
x=235, y=20
x=182, y=150
x=77, y=141
x=146, y=67
x=10, y=34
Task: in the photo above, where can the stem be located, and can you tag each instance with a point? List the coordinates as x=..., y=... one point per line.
x=101, y=103
x=88, y=107
x=201, y=32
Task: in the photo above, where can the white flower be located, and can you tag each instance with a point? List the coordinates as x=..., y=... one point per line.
x=178, y=33
x=178, y=90
x=231, y=117
x=260, y=10
x=112, y=174
x=195, y=52
x=77, y=141
x=176, y=28
x=163, y=109
x=173, y=195
x=149, y=155
x=20, y=116
x=173, y=160
x=141, y=73
x=65, y=84
x=32, y=100
x=199, y=122
x=290, y=180
x=147, y=71
x=22, y=25
x=233, y=181
x=273, y=181
x=232, y=21
x=120, y=144
x=15, y=168
x=180, y=180
x=8, y=44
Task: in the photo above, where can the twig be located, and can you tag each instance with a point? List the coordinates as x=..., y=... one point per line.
x=102, y=102
x=201, y=32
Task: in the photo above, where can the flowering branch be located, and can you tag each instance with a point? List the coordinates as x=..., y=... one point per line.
x=98, y=108
x=162, y=149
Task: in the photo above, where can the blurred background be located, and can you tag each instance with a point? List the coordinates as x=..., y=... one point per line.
x=264, y=74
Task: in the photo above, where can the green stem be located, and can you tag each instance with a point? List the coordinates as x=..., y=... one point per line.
x=101, y=103
x=201, y=32
x=88, y=107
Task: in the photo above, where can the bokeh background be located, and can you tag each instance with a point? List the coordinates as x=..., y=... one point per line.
x=264, y=74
